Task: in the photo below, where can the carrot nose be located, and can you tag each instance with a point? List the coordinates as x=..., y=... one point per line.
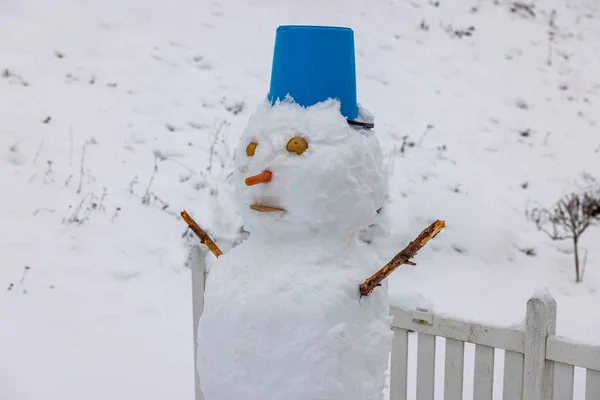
x=263, y=177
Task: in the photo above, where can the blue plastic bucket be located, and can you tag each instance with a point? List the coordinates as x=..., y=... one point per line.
x=313, y=64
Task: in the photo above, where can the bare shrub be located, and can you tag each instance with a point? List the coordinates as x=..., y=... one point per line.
x=569, y=218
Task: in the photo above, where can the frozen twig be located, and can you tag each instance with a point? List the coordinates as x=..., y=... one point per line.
x=584, y=264
x=213, y=145
x=81, y=170
x=82, y=164
x=14, y=78
x=191, y=170
x=68, y=180
x=551, y=35
x=48, y=171
x=37, y=153
x=523, y=9
x=70, y=146
x=429, y=126
x=27, y=268
x=403, y=257
x=133, y=182
x=158, y=157
x=204, y=238
x=153, y=197
x=116, y=213
x=38, y=210
x=213, y=152
x=87, y=205
x=546, y=138
x=406, y=143
x=101, y=202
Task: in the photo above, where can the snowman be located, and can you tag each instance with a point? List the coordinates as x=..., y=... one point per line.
x=283, y=317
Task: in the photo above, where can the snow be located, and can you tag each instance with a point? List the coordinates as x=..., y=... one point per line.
x=282, y=313
x=152, y=91
x=411, y=301
x=281, y=321
x=544, y=295
x=332, y=189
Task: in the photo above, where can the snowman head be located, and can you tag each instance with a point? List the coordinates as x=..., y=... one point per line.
x=305, y=172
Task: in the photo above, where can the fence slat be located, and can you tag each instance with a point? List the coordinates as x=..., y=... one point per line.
x=540, y=322
x=573, y=353
x=564, y=375
x=592, y=385
x=512, y=387
x=484, y=373
x=198, y=276
x=425, y=366
x=399, y=367
x=453, y=380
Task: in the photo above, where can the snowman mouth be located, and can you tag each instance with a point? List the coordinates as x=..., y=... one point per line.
x=262, y=208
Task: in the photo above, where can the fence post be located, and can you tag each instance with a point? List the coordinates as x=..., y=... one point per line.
x=198, y=271
x=540, y=323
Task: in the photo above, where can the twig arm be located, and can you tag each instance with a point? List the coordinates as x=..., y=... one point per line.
x=204, y=238
x=402, y=258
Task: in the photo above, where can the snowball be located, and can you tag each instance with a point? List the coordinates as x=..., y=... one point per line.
x=334, y=188
x=287, y=322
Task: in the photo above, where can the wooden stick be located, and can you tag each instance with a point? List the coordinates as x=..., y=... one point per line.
x=204, y=238
x=402, y=258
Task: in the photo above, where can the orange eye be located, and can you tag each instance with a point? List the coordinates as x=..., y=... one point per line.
x=297, y=145
x=251, y=148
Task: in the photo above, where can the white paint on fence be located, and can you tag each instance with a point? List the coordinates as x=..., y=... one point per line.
x=425, y=366
x=399, y=368
x=454, y=365
x=538, y=365
x=592, y=385
x=540, y=322
x=484, y=372
x=513, y=375
x=564, y=375
x=198, y=278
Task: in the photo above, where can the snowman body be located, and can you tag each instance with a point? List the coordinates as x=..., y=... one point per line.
x=283, y=317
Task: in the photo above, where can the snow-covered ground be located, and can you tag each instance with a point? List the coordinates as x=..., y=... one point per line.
x=115, y=116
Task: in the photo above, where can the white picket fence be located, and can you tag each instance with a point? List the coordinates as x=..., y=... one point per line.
x=538, y=365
